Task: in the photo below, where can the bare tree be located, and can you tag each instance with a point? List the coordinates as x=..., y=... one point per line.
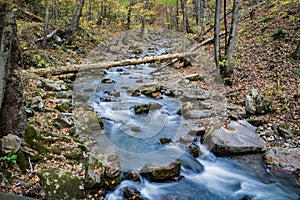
x=71, y=29
x=228, y=69
x=217, y=32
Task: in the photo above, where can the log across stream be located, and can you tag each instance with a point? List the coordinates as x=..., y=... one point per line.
x=137, y=140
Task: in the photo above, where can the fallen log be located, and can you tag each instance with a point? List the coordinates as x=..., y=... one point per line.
x=106, y=65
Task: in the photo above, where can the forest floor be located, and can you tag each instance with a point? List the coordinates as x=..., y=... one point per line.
x=266, y=38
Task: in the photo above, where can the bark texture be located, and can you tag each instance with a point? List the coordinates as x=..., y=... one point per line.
x=12, y=113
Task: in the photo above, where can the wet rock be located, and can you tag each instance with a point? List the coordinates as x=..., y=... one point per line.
x=112, y=172
x=37, y=103
x=283, y=159
x=197, y=132
x=194, y=150
x=142, y=109
x=131, y=193
x=191, y=163
x=187, y=106
x=60, y=184
x=10, y=143
x=165, y=140
x=193, y=77
x=94, y=176
x=149, y=89
x=197, y=114
x=135, y=129
x=107, y=80
x=162, y=173
x=154, y=106
x=132, y=175
x=239, y=137
x=64, y=120
x=115, y=93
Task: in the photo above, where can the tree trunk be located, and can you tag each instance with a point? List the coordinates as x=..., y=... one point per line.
x=46, y=24
x=198, y=2
x=12, y=114
x=106, y=65
x=231, y=40
x=71, y=29
x=176, y=14
x=183, y=3
x=162, y=17
x=143, y=33
x=205, y=6
x=217, y=32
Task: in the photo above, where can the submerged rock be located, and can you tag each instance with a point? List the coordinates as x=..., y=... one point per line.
x=60, y=184
x=239, y=137
x=162, y=173
x=281, y=158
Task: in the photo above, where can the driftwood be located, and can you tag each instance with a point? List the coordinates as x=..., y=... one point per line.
x=106, y=65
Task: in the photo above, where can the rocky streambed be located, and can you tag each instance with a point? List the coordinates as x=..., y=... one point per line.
x=160, y=130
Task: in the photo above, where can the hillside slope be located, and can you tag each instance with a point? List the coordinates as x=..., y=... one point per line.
x=267, y=36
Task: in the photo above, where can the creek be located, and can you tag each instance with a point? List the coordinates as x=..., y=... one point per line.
x=136, y=139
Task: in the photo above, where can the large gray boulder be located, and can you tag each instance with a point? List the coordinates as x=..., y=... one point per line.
x=283, y=159
x=238, y=137
x=60, y=184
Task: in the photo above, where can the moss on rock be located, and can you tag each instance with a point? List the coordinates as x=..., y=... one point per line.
x=22, y=162
x=60, y=184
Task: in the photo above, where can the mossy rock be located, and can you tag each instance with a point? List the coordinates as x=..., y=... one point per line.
x=39, y=147
x=63, y=108
x=75, y=154
x=60, y=184
x=22, y=162
x=56, y=150
x=30, y=134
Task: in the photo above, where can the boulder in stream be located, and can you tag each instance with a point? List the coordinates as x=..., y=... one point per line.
x=237, y=138
x=100, y=171
x=162, y=173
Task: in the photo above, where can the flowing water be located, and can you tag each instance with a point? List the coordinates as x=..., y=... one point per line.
x=136, y=140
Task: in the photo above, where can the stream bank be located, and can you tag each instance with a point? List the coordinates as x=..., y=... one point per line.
x=65, y=122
